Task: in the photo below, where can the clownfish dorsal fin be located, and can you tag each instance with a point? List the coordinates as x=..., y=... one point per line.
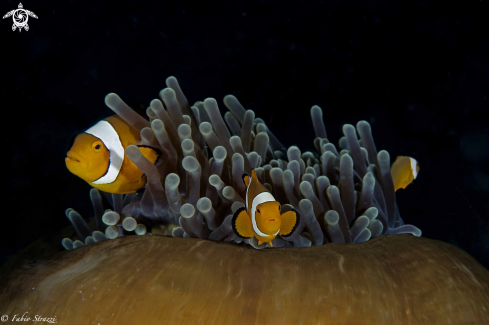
x=255, y=186
x=246, y=179
x=150, y=153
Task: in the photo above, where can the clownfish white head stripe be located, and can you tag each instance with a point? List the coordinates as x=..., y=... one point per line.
x=104, y=131
x=259, y=199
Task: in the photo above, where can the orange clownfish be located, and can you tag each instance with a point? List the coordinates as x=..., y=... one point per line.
x=261, y=217
x=404, y=170
x=98, y=157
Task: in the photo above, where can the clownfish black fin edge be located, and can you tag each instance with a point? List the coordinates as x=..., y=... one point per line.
x=157, y=151
x=243, y=178
x=233, y=222
x=297, y=223
x=140, y=191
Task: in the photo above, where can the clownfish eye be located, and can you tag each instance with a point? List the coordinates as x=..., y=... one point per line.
x=96, y=146
x=258, y=210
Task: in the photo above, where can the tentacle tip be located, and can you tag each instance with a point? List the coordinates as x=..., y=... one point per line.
x=363, y=124
x=171, y=79
x=133, y=151
x=167, y=93
x=383, y=154
x=112, y=99
x=157, y=125
x=210, y=100
x=348, y=128
x=155, y=102
x=345, y=156
x=316, y=109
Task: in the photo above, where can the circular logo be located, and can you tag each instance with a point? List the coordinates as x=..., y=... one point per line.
x=4, y=318
x=20, y=17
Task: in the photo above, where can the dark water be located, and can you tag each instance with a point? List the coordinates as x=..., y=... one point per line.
x=418, y=71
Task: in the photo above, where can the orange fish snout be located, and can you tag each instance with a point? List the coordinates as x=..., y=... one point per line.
x=74, y=159
x=70, y=157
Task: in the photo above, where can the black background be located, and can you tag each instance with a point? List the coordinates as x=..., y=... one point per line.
x=417, y=71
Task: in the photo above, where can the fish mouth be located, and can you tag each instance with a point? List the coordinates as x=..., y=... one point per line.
x=71, y=158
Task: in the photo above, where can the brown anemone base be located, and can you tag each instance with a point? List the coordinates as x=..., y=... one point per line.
x=397, y=279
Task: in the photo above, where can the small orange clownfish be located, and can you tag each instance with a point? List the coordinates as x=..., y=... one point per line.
x=404, y=170
x=98, y=157
x=261, y=217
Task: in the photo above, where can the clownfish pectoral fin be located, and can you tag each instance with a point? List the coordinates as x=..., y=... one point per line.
x=150, y=153
x=246, y=179
x=270, y=242
x=290, y=222
x=241, y=223
x=260, y=242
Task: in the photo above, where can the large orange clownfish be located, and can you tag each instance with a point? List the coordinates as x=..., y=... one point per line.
x=98, y=157
x=261, y=216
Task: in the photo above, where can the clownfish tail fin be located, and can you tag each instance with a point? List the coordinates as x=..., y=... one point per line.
x=150, y=153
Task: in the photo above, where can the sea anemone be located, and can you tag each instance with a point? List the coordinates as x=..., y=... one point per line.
x=343, y=196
